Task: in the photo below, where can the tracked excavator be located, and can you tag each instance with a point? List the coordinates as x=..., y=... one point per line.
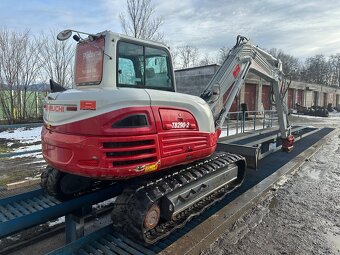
x=123, y=121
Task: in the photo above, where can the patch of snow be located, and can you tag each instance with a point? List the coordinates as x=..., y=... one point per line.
x=105, y=203
x=307, y=116
x=14, y=238
x=56, y=222
x=29, y=148
x=23, y=135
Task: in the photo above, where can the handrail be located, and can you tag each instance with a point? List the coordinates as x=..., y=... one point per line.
x=240, y=123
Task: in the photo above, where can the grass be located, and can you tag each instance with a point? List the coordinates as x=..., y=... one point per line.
x=4, y=149
x=15, y=176
x=14, y=170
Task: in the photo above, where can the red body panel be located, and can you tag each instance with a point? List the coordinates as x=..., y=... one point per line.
x=92, y=147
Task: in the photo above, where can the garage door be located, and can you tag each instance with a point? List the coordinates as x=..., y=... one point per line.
x=234, y=105
x=325, y=99
x=266, y=97
x=250, y=96
x=290, y=98
x=299, y=97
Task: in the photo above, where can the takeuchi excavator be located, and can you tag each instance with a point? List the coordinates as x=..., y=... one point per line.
x=124, y=121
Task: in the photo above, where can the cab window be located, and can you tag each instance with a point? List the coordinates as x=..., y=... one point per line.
x=130, y=71
x=143, y=66
x=157, y=73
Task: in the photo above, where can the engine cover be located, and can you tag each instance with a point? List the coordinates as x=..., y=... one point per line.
x=122, y=133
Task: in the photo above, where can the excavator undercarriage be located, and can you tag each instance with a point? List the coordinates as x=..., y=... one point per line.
x=150, y=209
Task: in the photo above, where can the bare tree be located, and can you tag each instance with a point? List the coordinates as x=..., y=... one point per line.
x=223, y=54
x=138, y=21
x=316, y=69
x=334, y=62
x=58, y=59
x=206, y=60
x=188, y=55
x=291, y=65
x=19, y=69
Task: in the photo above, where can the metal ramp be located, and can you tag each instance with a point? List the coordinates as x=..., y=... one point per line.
x=255, y=146
x=32, y=208
x=105, y=241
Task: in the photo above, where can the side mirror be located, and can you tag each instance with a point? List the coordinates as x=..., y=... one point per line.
x=64, y=35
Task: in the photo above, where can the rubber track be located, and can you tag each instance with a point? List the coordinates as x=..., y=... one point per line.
x=50, y=181
x=131, y=206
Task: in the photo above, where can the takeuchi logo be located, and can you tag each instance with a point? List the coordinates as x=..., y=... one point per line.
x=56, y=108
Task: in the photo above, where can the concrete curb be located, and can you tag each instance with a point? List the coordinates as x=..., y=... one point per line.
x=208, y=231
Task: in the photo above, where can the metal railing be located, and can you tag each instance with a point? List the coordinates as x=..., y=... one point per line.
x=243, y=121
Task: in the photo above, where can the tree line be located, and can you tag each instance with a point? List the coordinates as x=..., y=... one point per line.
x=26, y=61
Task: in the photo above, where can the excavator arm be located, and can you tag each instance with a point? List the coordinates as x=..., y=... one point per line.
x=228, y=80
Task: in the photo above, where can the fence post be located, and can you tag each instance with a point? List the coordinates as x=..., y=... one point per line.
x=264, y=119
x=228, y=117
x=237, y=117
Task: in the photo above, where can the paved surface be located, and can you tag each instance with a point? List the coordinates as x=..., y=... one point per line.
x=301, y=217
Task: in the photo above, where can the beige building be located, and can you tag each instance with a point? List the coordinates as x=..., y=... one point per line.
x=256, y=92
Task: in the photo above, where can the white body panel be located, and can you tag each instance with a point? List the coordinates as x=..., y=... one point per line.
x=108, y=100
x=197, y=106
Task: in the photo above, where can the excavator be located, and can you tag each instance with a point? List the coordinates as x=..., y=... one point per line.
x=123, y=121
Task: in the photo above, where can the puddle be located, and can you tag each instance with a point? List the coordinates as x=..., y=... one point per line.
x=273, y=203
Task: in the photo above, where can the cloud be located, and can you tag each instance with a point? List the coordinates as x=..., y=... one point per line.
x=300, y=28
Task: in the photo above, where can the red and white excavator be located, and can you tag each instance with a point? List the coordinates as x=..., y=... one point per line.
x=124, y=119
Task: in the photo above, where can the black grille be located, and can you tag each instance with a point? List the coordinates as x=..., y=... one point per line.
x=129, y=153
x=132, y=162
x=132, y=121
x=127, y=144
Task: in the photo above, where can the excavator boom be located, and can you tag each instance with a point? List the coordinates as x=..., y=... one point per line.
x=228, y=80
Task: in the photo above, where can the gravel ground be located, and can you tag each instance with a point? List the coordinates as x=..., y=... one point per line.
x=301, y=217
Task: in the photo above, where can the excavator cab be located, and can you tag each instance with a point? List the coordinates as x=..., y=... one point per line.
x=112, y=60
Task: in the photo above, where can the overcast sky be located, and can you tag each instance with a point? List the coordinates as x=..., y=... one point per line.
x=301, y=28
